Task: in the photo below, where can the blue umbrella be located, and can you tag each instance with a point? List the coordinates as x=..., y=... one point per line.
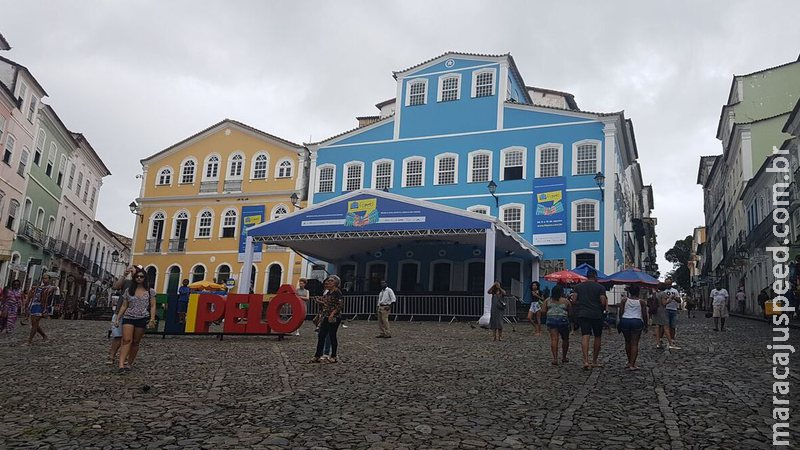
x=583, y=269
x=631, y=276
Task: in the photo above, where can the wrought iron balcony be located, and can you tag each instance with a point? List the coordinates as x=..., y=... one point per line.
x=177, y=245
x=208, y=186
x=152, y=245
x=29, y=231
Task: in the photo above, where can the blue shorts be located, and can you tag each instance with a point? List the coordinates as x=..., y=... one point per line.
x=561, y=324
x=36, y=310
x=628, y=325
x=183, y=306
x=672, y=317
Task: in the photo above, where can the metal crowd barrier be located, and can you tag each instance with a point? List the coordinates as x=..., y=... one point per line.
x=442, y=306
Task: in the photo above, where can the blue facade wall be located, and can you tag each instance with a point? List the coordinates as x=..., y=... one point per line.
x=380, y=133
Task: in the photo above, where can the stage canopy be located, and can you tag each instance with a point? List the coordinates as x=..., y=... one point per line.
x=365, y=220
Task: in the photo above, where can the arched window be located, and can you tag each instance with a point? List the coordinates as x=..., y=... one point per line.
x=62, y=167
x=51, y=159
x=585, y=215
x=71, y=176
x=152, y=276
x=382, y=174
x=187, y=172
x=353, y=176
x=585, y=157
x=414, y=171
x=513, y=159
x=198, y=273
x=416, y=92
x=279, y=211
x=483, y=83
x=274, y=278
x=446, y=168
x=12, y=214
x=228, y=224
x=223, y=273
x=236, y=167
x=512, y=215
x=480, y=209
x=325, y=179
x=40, y=218
x=10, y=141
x=23, y=162
x=211, y=172
x=260, y=165
x=449, y=87
x=204, y=224
x=80, y=183
x=480, y=166
x=174, y=280
x=549, y=160
x=37, y=152
x=165, y=177
x=284, y=169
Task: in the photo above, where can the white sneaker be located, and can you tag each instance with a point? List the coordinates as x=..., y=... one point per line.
x=674, y=347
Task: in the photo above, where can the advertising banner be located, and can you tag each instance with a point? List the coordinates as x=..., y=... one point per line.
x=550, y=215
x=251, y=215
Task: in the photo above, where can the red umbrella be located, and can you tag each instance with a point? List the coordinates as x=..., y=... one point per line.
x=565, y=276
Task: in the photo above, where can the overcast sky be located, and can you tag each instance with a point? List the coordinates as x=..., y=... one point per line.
x=137, y=76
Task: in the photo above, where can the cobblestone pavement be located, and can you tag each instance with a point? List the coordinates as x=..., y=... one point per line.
x=433, y=385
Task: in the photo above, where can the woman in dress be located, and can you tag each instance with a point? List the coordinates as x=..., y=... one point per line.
x=632, y=321
x=557, y=309
x=331, y=312
x=497, y=311
x=138, y=312
x=12, y=303
x=537, y=298
x=38, y=306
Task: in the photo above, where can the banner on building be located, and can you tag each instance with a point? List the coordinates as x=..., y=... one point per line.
x=251, y=215
x=550, y=214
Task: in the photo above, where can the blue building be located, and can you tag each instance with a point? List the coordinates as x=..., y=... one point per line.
x=465, y=131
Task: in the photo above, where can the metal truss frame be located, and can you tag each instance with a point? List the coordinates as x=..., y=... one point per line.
x=365, y=235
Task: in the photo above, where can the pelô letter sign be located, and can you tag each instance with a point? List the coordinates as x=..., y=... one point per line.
x=240, y=320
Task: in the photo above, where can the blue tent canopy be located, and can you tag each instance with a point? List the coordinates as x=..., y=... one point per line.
x=351, y=223
x=584, y=268
x=631, y=276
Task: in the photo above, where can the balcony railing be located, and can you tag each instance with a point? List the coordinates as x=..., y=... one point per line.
x=177, y=245
x=233, y=186
x=208, y=186
x=152, y=245
x=29, y=231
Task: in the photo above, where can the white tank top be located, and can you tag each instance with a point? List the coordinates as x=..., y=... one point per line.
x=633, y=309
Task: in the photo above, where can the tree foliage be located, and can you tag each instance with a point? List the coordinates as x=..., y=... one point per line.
x=679, y=256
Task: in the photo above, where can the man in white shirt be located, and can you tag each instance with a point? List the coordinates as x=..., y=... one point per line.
x=719, y=301
x=673, y=299
x=385, y=299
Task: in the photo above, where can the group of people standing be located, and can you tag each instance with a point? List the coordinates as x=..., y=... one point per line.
x=35, y=304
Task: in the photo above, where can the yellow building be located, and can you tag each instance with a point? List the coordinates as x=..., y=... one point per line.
x=196, y=196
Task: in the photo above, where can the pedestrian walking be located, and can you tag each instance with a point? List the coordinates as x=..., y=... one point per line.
x=331, y=312
x=719, y=302
x=38, y=306
x=591, y=302
x=691, y=305
x=11, y=307
x=660, y=318
x=138, y=312
x=535, y=312
x=497, y=310
x=673, y=298
x=385, y=299
x=763, y=297
x=115, y=333
x=632, y=323
x=557, y=309
x=183, y=300
x=741, y=300
x=303, y=294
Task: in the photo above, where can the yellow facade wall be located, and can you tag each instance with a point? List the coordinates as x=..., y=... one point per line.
x=169, y=200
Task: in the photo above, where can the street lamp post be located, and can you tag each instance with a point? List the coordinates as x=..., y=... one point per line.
x=600, y=180
x=492, y=187
x=135, y=210
x=295, y=200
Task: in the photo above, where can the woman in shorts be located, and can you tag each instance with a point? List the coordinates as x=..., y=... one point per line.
x=556, y=309
x=39, y=306
x=536, y=307
x=138, y=312
x=632, y=321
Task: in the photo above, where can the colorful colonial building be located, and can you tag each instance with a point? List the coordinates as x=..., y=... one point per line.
x=198, y=195
x=466, y=131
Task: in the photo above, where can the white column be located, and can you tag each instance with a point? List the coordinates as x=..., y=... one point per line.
x=535, y=270
x=609, y=216
x=290, y=270
x=247, y=266
x=488, y=275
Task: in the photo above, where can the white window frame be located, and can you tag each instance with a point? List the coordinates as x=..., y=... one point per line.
x=199, y=224
x=183, y=168
x=344, y=175
x=574, y=216
x=470, y=165
x=503, y=154
x=51, y=159
x=575, y=252
x=159, y=175
x=239, y=177
x=333, y=178
x=206, y=163
x=437, y=160
x=181, y=214
x=441, y=261
x=474, y=209
x=538, y=161
x=597, y=147
x=62, y=170
x=521, y=208
x=424, y=91
x=405, y=172
x=266, y=166
x=41, y=138
x=278, y=168
x=475, y=74
x=222, y=226
x=440, y=92
x=375, y=172
x=22, y=165
x=275, y=210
